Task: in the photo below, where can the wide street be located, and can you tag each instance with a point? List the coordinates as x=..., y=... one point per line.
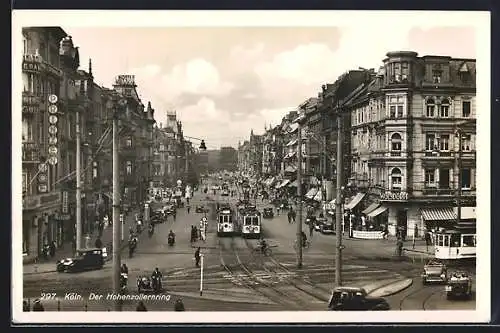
x=237, y=279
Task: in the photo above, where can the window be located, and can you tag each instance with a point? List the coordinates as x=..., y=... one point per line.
x=393, y=111
x=41, y=129
x=400, y=111
x=27, y=130
x=128, y=142
x=429, y=141
x=466, y=109
x=404, y=71
x=25, y=181
x=396, y=144
x=436, y=76
x=444, y=142
x=25, y=45
x=444, y=110
x=129, y=167
x=468, y=240
x=430, y=108
x=465, y=176
x=466, y=142
x=430, y=180
x=396, y=179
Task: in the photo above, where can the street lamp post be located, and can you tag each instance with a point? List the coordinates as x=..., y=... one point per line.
x=299, y=195
x=338, y=203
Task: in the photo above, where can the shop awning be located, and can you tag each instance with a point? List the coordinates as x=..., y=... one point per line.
x=311, y=193
x=291, y=142
x=290, y=169
x=283, y=183
x=295, y=183
x=370, y=208
x=318, y=196
x=438, y=214
x=355, y=201
x=377, y=211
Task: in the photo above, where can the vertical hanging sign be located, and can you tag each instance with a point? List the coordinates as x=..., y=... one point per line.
x=53, y=119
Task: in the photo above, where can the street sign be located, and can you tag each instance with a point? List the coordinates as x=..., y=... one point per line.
x=52, y=160
x=52, y=98
x=52, y=140
x=42, y=177
x=42, y=188
x=52, y=119
x=53, y=109
x=52, y=129
x=52, y=150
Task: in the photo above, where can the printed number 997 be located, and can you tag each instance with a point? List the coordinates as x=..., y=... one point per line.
x=48, y=296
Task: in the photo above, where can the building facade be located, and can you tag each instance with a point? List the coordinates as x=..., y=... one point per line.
x=414, y=140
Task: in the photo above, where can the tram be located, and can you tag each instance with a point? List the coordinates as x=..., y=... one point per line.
x=454, y=244
x=250, y=220
x=227, y=224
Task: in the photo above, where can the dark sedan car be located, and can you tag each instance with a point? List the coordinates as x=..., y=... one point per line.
x=87, y=259
x=268, y=213
x=201, y=209
x=355, y=299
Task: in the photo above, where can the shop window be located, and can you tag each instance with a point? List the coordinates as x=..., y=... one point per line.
x=444, y=109
x=466, y=109
x=396, y=143
x=430, y=107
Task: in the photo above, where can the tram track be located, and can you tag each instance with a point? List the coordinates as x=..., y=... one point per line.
x=416, y=295
x=252, y=281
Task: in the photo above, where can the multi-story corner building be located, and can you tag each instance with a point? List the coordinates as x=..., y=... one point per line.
x=272, y=156
x=228, y=158
x=289, y=162
x=312, y=141
x=42, y=198
x=414, y=141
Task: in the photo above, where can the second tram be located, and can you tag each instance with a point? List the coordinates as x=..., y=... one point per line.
x=250, y=220
x=227, y=224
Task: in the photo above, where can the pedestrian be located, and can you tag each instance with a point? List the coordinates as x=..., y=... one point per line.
x=197, y=257
x=294, y=215
x=188, y=207
x=37, y=306
x=98, y=243
x=400, y=247
x=52, y=249
x=141, y=307
x=278, y=210
x=289, y=216
x=174, y=215
x=311, y=229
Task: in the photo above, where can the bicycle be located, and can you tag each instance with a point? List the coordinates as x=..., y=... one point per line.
x=267, y=251
x=306, y=245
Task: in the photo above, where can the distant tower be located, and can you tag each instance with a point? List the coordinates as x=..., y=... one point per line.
x=90, y=67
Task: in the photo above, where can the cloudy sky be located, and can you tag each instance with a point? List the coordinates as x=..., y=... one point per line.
x=224, y=81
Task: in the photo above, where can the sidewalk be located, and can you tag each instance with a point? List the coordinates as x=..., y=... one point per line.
x=49, y=265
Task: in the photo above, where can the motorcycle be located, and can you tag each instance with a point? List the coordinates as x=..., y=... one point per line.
x=145, y=283
x=123, y=281
x=171, y=240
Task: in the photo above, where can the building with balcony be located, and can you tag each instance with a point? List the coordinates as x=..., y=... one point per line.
x=413, y=141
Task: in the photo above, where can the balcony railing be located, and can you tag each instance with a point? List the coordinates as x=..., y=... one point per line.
x=432, y=191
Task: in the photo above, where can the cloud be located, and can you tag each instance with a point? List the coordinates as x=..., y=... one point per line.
x=197, y=76
x=204, y=111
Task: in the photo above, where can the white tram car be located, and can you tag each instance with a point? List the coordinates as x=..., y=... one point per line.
x=454, y=245
x=227, y=225
x=251, y=226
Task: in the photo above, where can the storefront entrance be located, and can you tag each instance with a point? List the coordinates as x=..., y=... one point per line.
x=401, y=223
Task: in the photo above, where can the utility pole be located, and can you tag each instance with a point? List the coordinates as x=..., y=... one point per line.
x=117, y=225
x=78, y=183
x=299, y=195
x=338, y=202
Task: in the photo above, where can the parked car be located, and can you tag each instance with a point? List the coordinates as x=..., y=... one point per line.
x=327, y=227
x=319, y=222
x=355, y=299
x=268, y=213
x=86, y=259
x=434, y=272
x=459, y=286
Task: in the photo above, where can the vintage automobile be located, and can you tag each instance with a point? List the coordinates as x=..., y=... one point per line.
x=459, y=286
x=201, y=209
x=268, y=213
x=319, y=222
x=86, y=259
x=434, y=272
x=355, y=299
x=327, y=227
